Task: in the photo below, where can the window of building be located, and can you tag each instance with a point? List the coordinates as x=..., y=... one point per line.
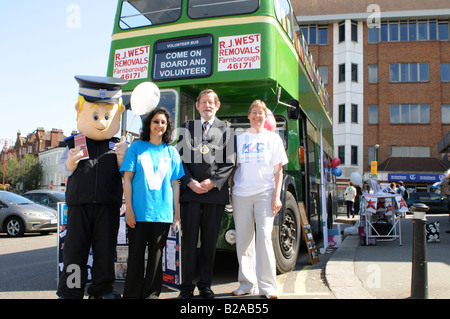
x=423, y=31
x=445, y=113
x=341, y=153
x=312, y=35
x=323, y=35
x=403, y=31
x=410, y=151
x=342, y=72
x=410, y=114
x=354, y=31
x=354, y=72
x=373, y=73
x=373, y=114
x=412, y=30
x=373, y=35
x=384, y=32
x=432, y=26
x=323, y=71
x=342, y=32
x=443, y=31
x=394, y=74
x=341, y=113
x=393, y=31
x=424, y=73
x=315, y=34
x=409, y=72
x=354, y=154
x=354, y=113
x=445, y=72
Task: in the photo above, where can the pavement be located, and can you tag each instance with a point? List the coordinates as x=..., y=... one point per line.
x=384, y=270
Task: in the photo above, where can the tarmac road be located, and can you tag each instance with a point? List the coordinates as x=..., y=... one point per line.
x=28, y=270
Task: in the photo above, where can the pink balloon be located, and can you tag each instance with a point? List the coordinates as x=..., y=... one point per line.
x=270, y=123
x=335, y=162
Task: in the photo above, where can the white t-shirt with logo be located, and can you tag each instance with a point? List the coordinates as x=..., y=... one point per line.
x=257, y=154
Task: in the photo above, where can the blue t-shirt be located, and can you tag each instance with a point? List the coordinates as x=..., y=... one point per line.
x=154, y=167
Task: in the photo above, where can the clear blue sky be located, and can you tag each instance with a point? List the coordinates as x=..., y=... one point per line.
x=44, y=44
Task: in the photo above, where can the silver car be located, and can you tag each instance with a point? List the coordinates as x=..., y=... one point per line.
x=46, y=197
x=19, y=215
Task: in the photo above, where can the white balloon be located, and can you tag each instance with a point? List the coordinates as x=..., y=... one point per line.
x=145, y=97
x=356, y=178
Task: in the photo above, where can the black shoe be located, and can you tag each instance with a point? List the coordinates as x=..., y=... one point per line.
x=207, y=293
x=110, y=295
x=185, y=295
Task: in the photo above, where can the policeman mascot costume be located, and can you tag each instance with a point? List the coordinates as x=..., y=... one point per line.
x=91, y=161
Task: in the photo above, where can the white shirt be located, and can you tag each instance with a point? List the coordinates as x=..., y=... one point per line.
x=257, y=154
x=350, y=193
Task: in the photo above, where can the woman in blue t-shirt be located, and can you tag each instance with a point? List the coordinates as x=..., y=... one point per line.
x=151, y=169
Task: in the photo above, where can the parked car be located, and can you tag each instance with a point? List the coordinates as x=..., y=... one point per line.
x=436, y=202
x=19, y=215
x=46, y=197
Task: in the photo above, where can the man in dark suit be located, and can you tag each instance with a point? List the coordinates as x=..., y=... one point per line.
x=207, y=148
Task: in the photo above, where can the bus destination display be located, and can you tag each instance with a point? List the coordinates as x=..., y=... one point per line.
x=182, y=58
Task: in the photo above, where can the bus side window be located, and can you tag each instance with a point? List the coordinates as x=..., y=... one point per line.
x=283, y=12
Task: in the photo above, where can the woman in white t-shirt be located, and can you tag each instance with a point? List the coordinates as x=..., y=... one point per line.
x=256, y=200
x=350, y=194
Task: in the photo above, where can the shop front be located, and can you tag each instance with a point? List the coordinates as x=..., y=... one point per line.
x=416, y=182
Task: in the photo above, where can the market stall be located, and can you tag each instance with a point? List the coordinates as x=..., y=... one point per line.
x=381, y=214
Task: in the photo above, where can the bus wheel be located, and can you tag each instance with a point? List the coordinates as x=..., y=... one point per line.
x=286, y=237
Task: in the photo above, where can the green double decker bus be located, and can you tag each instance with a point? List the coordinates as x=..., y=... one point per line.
x=243, y=50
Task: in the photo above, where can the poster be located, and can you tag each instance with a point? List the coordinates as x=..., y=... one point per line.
x=309, y=239
x=131, y=63
x=242, y=52
x=172, y=261
x=171, y=253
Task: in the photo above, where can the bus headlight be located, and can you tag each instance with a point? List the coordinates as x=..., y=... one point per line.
x=230, y=236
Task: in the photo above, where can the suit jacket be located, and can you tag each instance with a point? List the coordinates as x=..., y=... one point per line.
x=210, y=156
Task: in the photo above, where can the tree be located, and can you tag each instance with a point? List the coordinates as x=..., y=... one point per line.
x=26, y=171
x=33, y=178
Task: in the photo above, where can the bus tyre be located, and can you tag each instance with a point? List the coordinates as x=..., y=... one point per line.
x=286, y=237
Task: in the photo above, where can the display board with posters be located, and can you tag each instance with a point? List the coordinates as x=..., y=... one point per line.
x=309, y=239
x=171, y=254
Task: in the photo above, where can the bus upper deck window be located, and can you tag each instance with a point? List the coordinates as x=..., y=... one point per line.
x=141, y=13
x=198, y=9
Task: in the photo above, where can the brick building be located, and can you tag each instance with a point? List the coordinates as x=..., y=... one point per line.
x=387, y=70
x=46, y=146
x=37, y=141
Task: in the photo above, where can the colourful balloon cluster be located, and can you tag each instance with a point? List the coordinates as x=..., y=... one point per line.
x=335, y=162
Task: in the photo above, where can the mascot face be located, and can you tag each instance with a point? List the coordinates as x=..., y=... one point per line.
x=99, y=121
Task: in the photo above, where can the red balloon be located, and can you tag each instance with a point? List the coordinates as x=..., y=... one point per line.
x=270, y=123
x=335, y=162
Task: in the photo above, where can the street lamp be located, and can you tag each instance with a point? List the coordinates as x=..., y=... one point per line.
x=374, y=164
x=5, y=149
x=376, y=146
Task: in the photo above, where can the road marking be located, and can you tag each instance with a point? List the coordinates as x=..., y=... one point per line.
x=299, y=286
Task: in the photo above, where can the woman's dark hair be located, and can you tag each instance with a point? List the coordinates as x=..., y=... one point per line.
x=145, y=131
